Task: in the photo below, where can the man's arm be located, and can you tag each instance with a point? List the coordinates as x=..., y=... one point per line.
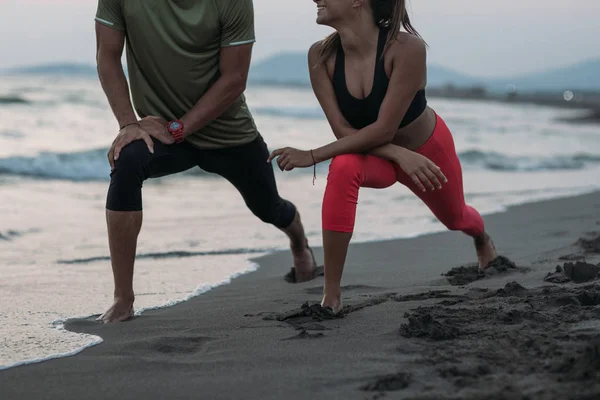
x=109, y=50
x=234, y=64
x=236, y=18
x=323, y=89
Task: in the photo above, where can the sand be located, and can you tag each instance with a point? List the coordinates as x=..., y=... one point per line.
x=419, y=322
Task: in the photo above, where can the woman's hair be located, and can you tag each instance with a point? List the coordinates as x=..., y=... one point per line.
x=390, y=14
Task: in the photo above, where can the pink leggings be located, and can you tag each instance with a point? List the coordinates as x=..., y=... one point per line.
x=349, y=172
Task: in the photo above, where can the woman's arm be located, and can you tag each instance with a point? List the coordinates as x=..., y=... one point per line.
x=408, y=71
x=407, y=74
x=323, y=89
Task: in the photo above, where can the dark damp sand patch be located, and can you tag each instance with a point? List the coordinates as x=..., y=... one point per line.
x=347, y=288
x=585, y=366
x=307, y=317
x=432, y=294
x=590, y=245
x=317, y=313
x=463, y=275
x=388, y=383
x=304, y=334
x=572, y=257
x=557, y=234
x=578, y=272
x=171, y=345
x=290, y=277
x=424, y=325
x=310, y=312
x=513, y=334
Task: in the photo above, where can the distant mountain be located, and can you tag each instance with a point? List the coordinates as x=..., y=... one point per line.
x=292, y=68
x=441, y=76
x=581, y=76
x=282, y=68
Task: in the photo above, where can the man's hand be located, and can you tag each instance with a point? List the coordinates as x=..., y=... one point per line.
x=127, y=135
x=290, y=158
x=157, y=128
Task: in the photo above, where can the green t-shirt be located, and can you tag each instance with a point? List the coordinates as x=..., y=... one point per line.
x=173, y=58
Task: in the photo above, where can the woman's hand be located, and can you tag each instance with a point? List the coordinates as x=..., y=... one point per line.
x=290, y=158
x=421, y=170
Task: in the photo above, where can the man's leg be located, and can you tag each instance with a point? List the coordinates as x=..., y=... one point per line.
x=123, y=229
x=304, y=261
x=124, y=212
x=247, y=169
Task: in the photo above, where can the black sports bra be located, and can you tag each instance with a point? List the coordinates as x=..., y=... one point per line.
x=363, y=112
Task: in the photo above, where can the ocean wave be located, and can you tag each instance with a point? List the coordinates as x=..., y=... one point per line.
x=13, y=100
x=502, y=162
x=291, y=112
x=92, y=165
x=171, y=254
x=80, y=166
x=11, y=134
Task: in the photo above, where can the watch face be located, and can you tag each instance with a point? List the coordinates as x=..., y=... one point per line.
x=174, y=125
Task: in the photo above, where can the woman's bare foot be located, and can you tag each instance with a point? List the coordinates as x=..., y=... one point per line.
x=304, y=265
x=486, y=251
x=121, y=310
x=333, y=302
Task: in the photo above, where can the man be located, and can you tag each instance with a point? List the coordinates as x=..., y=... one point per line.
x=188, y=62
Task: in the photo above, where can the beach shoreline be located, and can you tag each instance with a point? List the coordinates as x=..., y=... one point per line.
x=252, y=338
x=587, y=103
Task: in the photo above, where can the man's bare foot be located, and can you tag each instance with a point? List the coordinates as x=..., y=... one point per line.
x=304, y=265
x=333, y=302
x=121, y=310
x=486, y=251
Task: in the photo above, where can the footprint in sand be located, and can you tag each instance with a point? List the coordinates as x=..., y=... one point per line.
x=388, y=383
x=432, y=294
x=171, y=345
x=304, y=334
x=590, y=245
x=463, y=275
x=578, y=272
x=347, y=288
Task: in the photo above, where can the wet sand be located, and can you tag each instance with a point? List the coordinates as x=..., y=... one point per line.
x=419, y=322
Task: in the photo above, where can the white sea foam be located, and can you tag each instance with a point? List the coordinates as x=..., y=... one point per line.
x=59, y=324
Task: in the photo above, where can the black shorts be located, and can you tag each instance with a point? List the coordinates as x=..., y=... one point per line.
x=244, y=166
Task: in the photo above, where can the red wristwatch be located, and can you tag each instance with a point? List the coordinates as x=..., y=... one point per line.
x=175, y=128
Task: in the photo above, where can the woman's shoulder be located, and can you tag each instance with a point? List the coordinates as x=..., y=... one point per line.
x=315, y=50
x=315, y=53
x=407, y=44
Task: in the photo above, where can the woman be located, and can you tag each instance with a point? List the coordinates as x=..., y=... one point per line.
x=369, y=78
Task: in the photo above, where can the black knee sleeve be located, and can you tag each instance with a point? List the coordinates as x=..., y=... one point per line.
x=131, y=169
x=280, y=214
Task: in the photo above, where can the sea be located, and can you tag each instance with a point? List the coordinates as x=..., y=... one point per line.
x=197, y=233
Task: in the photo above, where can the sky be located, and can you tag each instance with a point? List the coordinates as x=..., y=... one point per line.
x=478, y=37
